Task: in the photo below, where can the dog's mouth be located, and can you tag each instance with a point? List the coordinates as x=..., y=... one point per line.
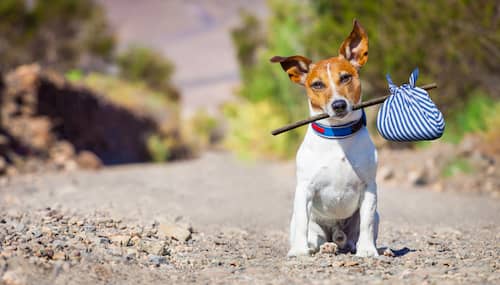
x=342, y=114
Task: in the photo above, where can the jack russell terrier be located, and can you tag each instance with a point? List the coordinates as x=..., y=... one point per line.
x=336, y=194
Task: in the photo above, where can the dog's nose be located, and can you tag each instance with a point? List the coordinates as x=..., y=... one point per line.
x=339, y=106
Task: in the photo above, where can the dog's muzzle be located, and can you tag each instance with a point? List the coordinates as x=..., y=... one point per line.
x=339, y=107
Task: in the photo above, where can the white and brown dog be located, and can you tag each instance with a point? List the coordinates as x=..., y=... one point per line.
x=336, y=194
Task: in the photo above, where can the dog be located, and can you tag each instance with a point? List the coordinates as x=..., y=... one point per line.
x=336, y=193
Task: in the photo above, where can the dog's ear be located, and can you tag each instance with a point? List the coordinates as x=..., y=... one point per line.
x=296, y=66
x=355, y=46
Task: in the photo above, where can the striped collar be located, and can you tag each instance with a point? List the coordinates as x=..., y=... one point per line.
x=339, y=132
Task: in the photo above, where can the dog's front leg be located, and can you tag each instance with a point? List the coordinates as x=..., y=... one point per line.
x=368, y=223
x=300, y=222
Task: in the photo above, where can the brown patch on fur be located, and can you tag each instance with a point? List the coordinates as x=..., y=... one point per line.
x=338, y=66
x=355, y=46
x=296, y=66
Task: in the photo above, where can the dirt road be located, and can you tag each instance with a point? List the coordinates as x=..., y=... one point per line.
x=109, y=227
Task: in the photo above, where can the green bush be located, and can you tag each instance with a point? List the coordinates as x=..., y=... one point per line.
x=457, y=166
x=475, y=117
x=249, y=131
x=62, y=34
x=200, y=130
x=447, y=39
x=158, y=148
x=146, y=65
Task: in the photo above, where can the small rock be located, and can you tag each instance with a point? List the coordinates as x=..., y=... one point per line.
x=59, y=256
x=89, y=228
x=175, y=231
x=88, y=160
x=134, y=241
x=418, y=177
x=157, y=260
x=20, y=227
x=325, y=263
x=58, y=244
x=386, y=173
x=447, y=262
x=153, y=247
x=131, y=254
x=102, y=240
x=61, y=152
x=328, y=248
x=114, y=251
x=47, y=252
x=121, y=240
x=36, y=233
x=351, y=263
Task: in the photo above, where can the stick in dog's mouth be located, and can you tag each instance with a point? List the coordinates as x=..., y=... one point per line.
x=361, y=105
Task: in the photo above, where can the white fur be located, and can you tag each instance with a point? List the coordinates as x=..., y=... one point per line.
x=336, y=194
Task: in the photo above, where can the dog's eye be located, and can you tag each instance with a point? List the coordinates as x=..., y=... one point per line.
x=344, y=78
x=317, y=85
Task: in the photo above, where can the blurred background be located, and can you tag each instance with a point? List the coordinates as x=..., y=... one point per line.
x=93, y=83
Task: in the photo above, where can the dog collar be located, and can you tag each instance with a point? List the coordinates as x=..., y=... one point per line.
x=339, y=132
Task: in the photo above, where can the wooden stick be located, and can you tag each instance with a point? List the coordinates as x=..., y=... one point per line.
x=355, y=107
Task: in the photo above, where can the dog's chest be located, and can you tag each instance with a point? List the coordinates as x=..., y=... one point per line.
x=336, y=174
x=336, y=190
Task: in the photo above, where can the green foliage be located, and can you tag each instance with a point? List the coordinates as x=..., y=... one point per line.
x=491, y=136
x=270, y=100
x=158, y=148
x=62, y=34
x=479, y=110
x=249, y=131
x=74, y=75
x=248, y=38
x=200, y=130
x=144, y=64
x=457, y=166
x=453, y=42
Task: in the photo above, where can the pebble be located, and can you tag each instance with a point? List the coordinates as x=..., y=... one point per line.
x=157, y=260
x=36, y=233
x=351, y=263
x=89, y=228
x=59, y=256
x=121, y=240
x=175, y=231
x=328, y=248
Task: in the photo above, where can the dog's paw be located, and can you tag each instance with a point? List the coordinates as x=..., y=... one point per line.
x=299, y=251
x=366, y=251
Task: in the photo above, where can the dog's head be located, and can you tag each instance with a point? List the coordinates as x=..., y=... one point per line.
x=333, y=84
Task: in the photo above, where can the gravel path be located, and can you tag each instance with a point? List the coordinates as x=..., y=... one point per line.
x=217, y=220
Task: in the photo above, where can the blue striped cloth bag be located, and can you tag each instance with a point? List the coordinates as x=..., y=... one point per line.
x=409, y=113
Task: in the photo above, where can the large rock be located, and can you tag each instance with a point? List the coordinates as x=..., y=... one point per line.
x=54, y=121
